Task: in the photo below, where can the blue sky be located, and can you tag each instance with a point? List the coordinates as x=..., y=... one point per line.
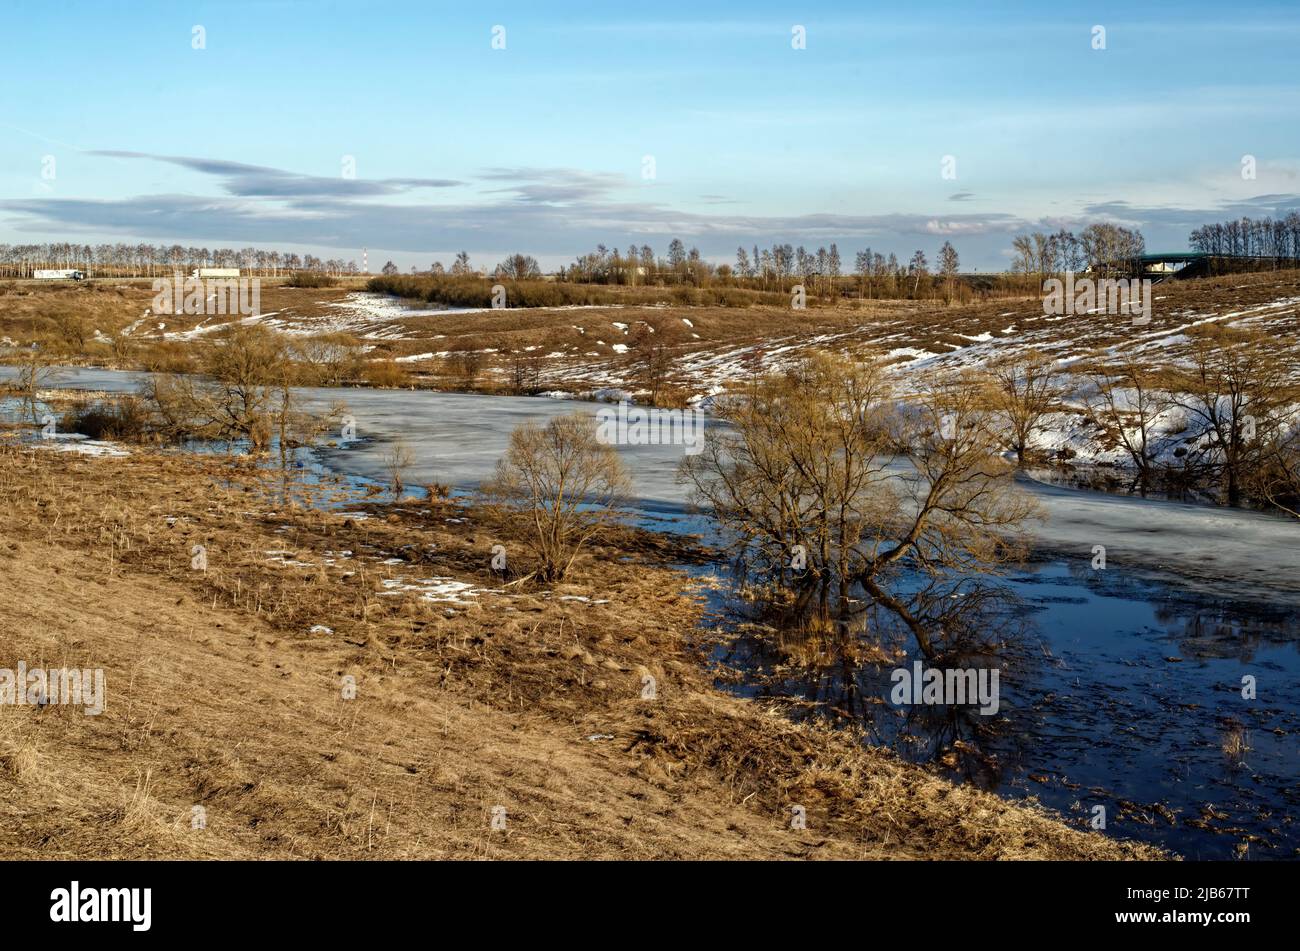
x=540, y=147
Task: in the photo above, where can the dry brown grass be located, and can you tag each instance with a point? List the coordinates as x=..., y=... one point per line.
x=218, y=696
x=48, y=314
x=577, y=359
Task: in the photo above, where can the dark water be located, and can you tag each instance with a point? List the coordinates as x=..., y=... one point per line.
x=1136, y=703
x=1114, y=692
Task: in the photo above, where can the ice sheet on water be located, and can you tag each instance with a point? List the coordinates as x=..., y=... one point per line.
x=458, y=438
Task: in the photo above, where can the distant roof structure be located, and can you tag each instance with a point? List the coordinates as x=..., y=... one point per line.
x=1173, y=256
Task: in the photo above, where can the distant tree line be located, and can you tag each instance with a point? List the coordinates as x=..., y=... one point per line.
x=1099, y=249
x=517, y=267
x=1274, y=238
x=147, y=260
x=777, y=269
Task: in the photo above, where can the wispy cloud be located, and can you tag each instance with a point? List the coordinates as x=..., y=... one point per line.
x=260, y=181
x=554, y=212
x=552, y=185
x=539, y=227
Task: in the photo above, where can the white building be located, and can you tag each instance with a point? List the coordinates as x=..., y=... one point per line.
x=65, y=274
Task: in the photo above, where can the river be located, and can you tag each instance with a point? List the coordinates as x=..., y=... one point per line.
x=1123, y=688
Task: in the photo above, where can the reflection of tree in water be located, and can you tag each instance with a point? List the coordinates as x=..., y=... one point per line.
x=1214, y=631
x=1172, y=484
x=1201, y=628
x=834, y=657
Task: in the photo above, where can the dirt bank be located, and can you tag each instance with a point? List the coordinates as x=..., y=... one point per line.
x=226, y=689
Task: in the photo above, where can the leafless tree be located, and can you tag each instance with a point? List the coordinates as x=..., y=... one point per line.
x=1237, y=391
x=525, y=370
x=1022, y=390
x=327, y=359
x=466, y=366
x=949, y=263
x=518, y=267
x=559, y=484
x=1275, y=478
x=654, y=342
x=1125, y=403
x=244, y=395
x=35, y=371
x=805, y=474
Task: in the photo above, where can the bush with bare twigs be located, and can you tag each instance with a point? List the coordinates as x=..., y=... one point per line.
x=561, y=483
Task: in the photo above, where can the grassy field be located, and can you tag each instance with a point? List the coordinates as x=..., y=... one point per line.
x=225, y=691
x=589, y=348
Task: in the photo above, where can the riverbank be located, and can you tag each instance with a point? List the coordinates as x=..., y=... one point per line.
x=227, y=690
x=456, y=439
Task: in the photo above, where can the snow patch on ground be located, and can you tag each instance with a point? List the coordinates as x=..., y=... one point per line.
x=81, y=445
x=443, y=590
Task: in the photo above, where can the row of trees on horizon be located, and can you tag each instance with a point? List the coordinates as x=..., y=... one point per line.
x=777, y=268
x=147, y=260
x=1275, y=238
x=1098, y=248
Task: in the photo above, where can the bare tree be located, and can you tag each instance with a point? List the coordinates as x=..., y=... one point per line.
x=561, y=486
x=1110, y=249
x=1022, y=390
x=917, y=267
x=245, y=395
x=35, y=370
x=654, y=343
x=466, y=366
x=247, y=365
x=1025, y=262
x=1237, y=392
x=1275, y=478
x=1126, y=402
x=948, y=265
x=804, y=475
x=525, y=370
x=518, y=267
x=328, y=359
x=801, y=462
x=73, y=330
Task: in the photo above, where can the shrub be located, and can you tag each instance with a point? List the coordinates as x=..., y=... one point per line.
x=385, y=374
x=167, y=356
x=561, y=485
x=310, y=279
x=125, y=418
x=470, y=291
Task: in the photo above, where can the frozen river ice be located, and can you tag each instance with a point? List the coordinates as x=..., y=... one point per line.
x=457, y=438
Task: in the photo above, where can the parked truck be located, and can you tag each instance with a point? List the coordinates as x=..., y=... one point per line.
x=220, y=273
x=65, y=274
